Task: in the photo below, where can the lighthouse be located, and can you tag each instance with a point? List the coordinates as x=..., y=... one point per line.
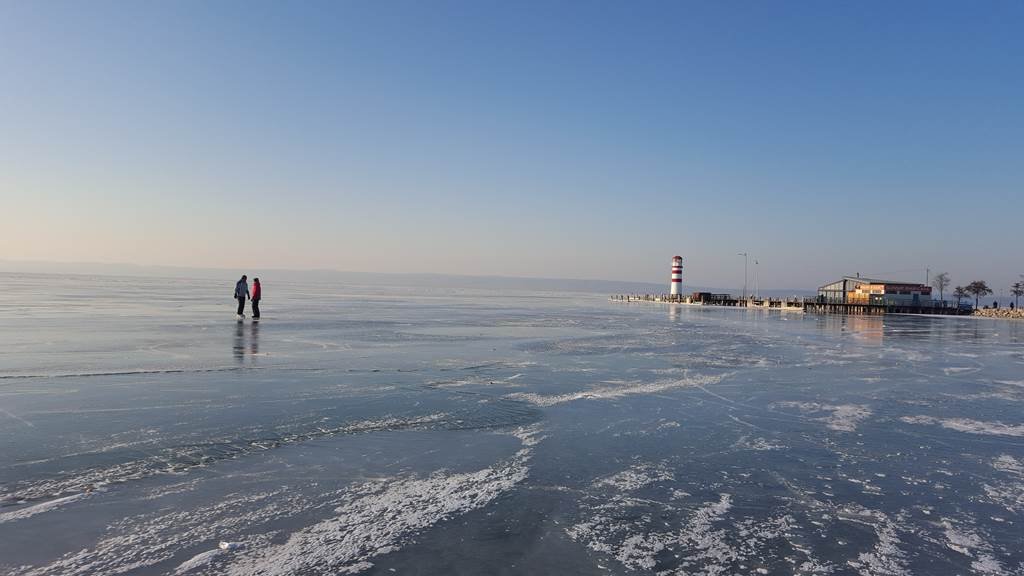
x=676, y=288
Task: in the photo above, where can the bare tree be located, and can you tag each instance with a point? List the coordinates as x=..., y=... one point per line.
x=941, y=282
x=978, y=288
x=960, y=293
x=1017, y=290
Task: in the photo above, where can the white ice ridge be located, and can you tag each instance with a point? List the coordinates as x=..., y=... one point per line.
x=843, y=417
x=29, y=511
x=178, y=460
x=386, y=423
x=709, y=544
x=954, y=370
x=379, y=517
x=968, y=426
x=201, y=560
x=146, y=540
x=618, y=391
x=205, y=559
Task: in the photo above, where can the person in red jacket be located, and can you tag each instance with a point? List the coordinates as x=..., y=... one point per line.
x=257, y=293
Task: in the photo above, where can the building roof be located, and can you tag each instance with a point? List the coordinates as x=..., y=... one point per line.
x=879, y=281
x=866, y=280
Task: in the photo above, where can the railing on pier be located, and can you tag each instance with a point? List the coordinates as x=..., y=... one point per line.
x=679, y=298
x=881, y=305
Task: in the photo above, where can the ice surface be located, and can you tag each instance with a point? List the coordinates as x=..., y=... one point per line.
x=143, y=430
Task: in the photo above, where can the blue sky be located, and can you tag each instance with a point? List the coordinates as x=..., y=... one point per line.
x=587, y=140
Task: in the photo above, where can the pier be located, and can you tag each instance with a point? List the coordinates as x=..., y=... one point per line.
x=708, y=299
x=821, y=306
x=812, y=305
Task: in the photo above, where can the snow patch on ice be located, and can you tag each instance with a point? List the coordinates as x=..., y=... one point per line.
x=886, y=557
x=968, y=426
x=379, y=517
x=757, y=444
x=962, y=542
x=1008, y=494
x=843, y=417
x=638, y=550
x=657, y=535
x=530, y=435
x=636, y=477
x=969, y=543
x=1010, y=465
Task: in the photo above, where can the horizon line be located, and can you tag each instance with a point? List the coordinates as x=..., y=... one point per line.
x=169, y=267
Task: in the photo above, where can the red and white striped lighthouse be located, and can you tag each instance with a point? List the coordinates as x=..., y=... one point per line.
x=677, y=276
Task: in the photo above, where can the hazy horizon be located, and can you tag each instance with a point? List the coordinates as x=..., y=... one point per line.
x=424, y=279
x=600, y=285
x=569, y=141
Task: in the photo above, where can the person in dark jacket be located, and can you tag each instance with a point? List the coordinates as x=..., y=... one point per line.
x=256, y=295
x=241, y=293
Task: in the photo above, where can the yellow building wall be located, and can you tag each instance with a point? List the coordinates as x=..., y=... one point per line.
x=862, y=293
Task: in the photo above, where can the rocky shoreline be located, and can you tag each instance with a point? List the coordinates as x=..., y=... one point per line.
x=1000, y=313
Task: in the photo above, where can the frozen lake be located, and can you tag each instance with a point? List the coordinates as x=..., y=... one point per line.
x=370, y=430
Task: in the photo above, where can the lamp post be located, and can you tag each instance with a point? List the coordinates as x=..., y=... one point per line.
x=757, y=293
x=745, y=255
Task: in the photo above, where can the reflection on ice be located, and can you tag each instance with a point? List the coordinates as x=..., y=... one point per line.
x=254, y=338
x=239, y=346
